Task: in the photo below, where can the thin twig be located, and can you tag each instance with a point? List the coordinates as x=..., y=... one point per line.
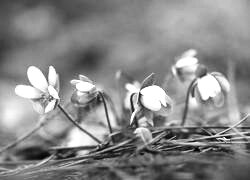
x=29, y=167
x=72, y=148
x=240, y=133
x=210, y=137
x=159, y=129
x=152, y=141
x=23, y=137
x=235, y=125
x=99, y=152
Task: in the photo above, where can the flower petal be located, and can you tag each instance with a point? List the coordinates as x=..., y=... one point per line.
x=166, y=110
x=189, y=53
x=37, y=79
x=197, y=95
x=150, y=103
x=82, y=99
x=174, y=71
x=155, y=92
x=51, y=106
x=85, y=86
x=53, y=92
x=219, y=100
x=132, y=88
x=214, y=85
x=75, y=81
x=85, y=79
x=28, y=92
x=203, y=89
x=57, y=86
x=144, y=134
x=208, y=86
x=225, y=85
x=37, y=106
x=52, y=76
x=164, y=99
x=186, y=61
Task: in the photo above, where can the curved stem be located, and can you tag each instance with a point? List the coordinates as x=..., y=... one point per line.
x=133, y=110
x=77, y=125
x=185, y=112
x=23, y=137
x=133, y=119
x=112, y=106
x=131, y=102
x=106, y=111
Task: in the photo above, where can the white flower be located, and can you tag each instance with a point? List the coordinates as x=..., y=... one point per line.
x=154, y=98
x=185, y=66
x=85, y=91
x=144, y=134
x=151, y=99
x=43, y=94
x=211, y=86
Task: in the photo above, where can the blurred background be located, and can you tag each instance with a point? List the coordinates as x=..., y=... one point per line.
x=96, y=38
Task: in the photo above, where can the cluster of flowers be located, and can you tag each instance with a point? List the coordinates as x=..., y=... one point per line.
x=145, y=99
x=44, y=94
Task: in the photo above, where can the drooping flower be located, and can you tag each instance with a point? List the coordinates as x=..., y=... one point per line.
x=185, y=66
x=151, y=99
x=210, y=87
x=155, y=99
x=43, y=93
x=85, y=91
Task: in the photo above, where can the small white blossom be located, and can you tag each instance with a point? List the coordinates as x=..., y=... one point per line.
x=185, y=66
x=151, y=99
x=155, y=99
x=43, y=94
x=85, y=91
x=211, y=86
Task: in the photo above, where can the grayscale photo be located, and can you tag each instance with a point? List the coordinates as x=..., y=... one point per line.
x=124, y=90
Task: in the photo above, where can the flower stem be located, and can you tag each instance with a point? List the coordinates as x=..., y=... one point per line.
x=23, y=137
x=106, y=111
x=131, y=102
x=112, y=106
x=185, y=112
x=77, y=125
x=133, y=109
